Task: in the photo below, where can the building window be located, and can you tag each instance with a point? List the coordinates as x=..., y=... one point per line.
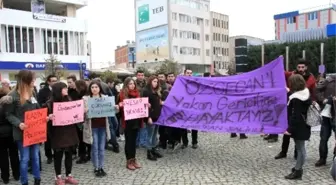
x=206, y=7
x=21, y=39
x=227, y=25
x=312, y=16
x=175, y=49
x=174, y=16
x=206, y=37
x=57, y=43
x=207, y=52
x=213, y=22
x=206, y=22
x=175, y=34
x=291, y=20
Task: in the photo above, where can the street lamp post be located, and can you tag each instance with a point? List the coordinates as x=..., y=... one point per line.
x=133, y=59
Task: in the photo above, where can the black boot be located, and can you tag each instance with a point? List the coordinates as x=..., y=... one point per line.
x=81, y=160
x=320, y=162
x=281, y=155
x=242, y=136
x=115, y=149
x=150, y=156
x=37, y=181
x=156, y=153
x=296, y=175
x=233, y=135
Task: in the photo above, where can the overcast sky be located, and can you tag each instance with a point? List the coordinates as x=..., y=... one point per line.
x=111, y=22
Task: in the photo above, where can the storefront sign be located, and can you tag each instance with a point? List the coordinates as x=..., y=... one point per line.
x=48, y=17
x=37, y=66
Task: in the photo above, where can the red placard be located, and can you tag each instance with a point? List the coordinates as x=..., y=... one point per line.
x=36, y=130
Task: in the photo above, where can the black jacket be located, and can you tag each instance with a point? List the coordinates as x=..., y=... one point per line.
x=44, y=95
x=299, y=103
x=5, y=126
x=155, y=100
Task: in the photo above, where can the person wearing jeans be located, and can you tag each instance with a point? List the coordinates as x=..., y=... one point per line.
x=23, y=100
x=98, y=147
x=113, y=123
x=154, y=94
x=25, y=153
x=96, y=130
x=298, y=129
x=152, y=153
x=142, y=137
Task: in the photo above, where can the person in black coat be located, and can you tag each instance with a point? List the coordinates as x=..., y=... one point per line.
x=298, y=129
x=153, y=92
x=8, y=148
x=42, y=98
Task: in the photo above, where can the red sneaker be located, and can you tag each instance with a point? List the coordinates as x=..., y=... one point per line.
x=71, y=180
x=59, y=181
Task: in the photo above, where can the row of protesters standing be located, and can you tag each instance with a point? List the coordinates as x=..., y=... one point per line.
x=9, y=157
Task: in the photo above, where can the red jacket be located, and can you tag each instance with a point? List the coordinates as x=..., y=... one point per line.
x=310, y=83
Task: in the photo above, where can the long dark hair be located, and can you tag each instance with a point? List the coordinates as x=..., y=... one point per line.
x=150, y=86
x=125, y=89
x=56, y=95
x=95, y=82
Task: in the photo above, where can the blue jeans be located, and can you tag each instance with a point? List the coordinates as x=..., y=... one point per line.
x=142, y=137
x=152, y=132
x=98, y=147
x=25, y=153
x=113, y=125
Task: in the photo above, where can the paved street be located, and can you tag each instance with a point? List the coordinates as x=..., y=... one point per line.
x=219, y=160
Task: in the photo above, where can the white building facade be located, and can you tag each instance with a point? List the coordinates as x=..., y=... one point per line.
x=220, y=43
x=32, y=30
x=176, y=30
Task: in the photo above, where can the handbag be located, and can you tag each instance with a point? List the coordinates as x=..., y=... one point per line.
x=313, y=116
x=333, y=169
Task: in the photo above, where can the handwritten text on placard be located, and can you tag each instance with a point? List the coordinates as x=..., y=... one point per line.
x=101, y=107
x=67, y=113
x=135, y=108
x=36, y=130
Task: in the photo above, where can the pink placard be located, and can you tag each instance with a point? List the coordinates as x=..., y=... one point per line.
x=68, y=113
x=135, y=108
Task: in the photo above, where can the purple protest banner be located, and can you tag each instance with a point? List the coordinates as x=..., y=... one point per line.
x=253, y=102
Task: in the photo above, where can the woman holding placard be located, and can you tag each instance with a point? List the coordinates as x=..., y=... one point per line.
x=96, y=131
x=131, y=127
x=153, y=92
x=63, y=138
x=23, y=100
